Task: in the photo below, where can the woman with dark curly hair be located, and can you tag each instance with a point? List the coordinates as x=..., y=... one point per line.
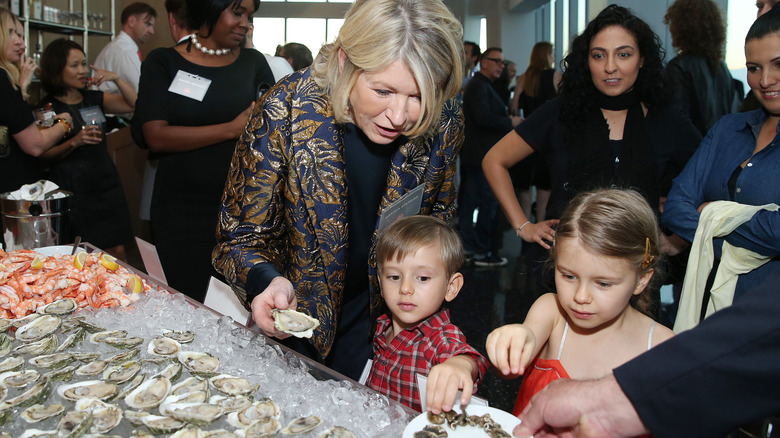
x=703, y=86
x=611, y=126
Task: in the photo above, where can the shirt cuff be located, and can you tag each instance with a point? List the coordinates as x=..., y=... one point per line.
x=258, y=279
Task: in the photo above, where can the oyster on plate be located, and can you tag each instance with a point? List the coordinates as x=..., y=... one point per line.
x=74, y=423
x=42, y=346
x=180, y=336
x=88, y=388
x=231, y=385
x=72, y=340
x=295, y=323
x=33, y=395
x=163, y=346
x=92, y=368
x=231, y=403
x=260, y=428
x=199, y=364
x=149, y=394
x=302, y=425
x=61, y=307
x=337, y=432
x=38, y=328
x=11, y=363
x=54, y=360
x=99, y=337
x=201, y=414
x=160, y=425
x=123, y=342
x=19, y=379
x=190, y=384
x=36, y=413
x=260, y=409
x=105, y=416
x=123, y=372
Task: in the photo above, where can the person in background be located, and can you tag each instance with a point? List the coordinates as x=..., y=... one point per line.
x=736, y=162
x=764, y=6
x=26, y=65
x=486, y=120
x=606, y=252
x=122, y=55
x=81, y=163
x=610, y=126
x=702, y=383
x=21, y=138
x=702, y=84
x=279, y=66
x=472, y=54
x=298, y=55
x=177, y=20
x=418, y=258
x=503, y=83
x=327, y=156
x=193, y=130
x=538, y=84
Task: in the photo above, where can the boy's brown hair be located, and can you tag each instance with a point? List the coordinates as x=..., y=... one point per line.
x=407, y=235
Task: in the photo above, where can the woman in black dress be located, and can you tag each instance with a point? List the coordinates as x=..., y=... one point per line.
x=194, y=101
x=81, y=162
x=21, y=140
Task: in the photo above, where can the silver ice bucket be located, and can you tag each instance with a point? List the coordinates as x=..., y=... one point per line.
x=34, y=224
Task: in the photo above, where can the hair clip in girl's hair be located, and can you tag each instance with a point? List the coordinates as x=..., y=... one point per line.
x=648, y=258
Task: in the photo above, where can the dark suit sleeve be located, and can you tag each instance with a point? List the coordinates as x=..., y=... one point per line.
x=709, y=380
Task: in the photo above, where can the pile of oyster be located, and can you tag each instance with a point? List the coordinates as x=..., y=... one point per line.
x=62, y=376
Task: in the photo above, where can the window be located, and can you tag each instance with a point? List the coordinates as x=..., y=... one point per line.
x=740, y=18
x=311, y=32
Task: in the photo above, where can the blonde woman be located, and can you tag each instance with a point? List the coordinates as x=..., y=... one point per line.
x=20, y=139
x=328, y=152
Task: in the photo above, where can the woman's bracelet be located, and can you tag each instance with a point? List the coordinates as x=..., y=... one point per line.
x=521, y=228
x=65, y=123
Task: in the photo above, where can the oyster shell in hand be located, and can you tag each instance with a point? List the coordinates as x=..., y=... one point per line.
x=295, y=323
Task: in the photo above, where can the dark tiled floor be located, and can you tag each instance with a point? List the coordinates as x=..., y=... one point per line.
x=490, y=298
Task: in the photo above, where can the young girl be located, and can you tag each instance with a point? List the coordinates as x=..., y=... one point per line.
x=606, y=249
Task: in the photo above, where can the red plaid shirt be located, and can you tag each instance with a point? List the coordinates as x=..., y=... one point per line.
x=414, y=351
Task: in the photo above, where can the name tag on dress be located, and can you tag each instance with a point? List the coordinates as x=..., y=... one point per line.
x=408, y=205
x=190, y=85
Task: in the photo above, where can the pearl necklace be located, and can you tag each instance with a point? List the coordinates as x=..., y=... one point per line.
x=206, y=50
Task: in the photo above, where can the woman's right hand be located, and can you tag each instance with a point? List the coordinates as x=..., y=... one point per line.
x=238, y=124
x=278, y=295
x=26, y=71
x=510, y=347
x=540, y=233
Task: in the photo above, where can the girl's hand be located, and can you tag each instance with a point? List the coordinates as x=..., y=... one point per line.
x=99, y=76
x=540, y=233
x=509, y=349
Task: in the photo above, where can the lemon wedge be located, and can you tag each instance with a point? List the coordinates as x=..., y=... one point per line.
x=135, y=284
x=37, y=263
x=79, y=260
x=109, y=262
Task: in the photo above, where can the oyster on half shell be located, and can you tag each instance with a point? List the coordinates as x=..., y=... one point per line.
x=263, y=408
x=36, y=413
x=11, y=363
x=88, y=388
x=260, y=428
x=105, y=416
x=38, y=328
x=163, y=346
x=302, y=425
x=33, y=395
x=54, y=360
x=199, y=364
x=61, y=307
x=337, y=432
x=231, y=385
x=160, y=425
x=123, y=372
x=19, y=379
x=149, y=394
x=180, y=336
x=190, y=384
x=41, y=346
x=74, y=423
x=201, y=414
x=295, y=323
x=231, y=403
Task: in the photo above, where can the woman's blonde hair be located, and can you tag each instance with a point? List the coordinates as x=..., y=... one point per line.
x=616, y=223
x=423, y=35
x=6, y=18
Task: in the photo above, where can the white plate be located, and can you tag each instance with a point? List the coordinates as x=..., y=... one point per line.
x=507, y=421
x=57, y=249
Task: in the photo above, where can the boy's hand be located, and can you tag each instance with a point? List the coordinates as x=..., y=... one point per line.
x=444, y=381
x=509, y=349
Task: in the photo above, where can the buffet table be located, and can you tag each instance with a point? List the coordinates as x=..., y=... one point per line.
x=300, y=386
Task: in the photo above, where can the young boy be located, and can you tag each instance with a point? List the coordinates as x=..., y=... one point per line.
x=418, y=258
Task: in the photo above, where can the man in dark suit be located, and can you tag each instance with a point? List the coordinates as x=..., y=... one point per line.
x=705, y=382
x=486, y=121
